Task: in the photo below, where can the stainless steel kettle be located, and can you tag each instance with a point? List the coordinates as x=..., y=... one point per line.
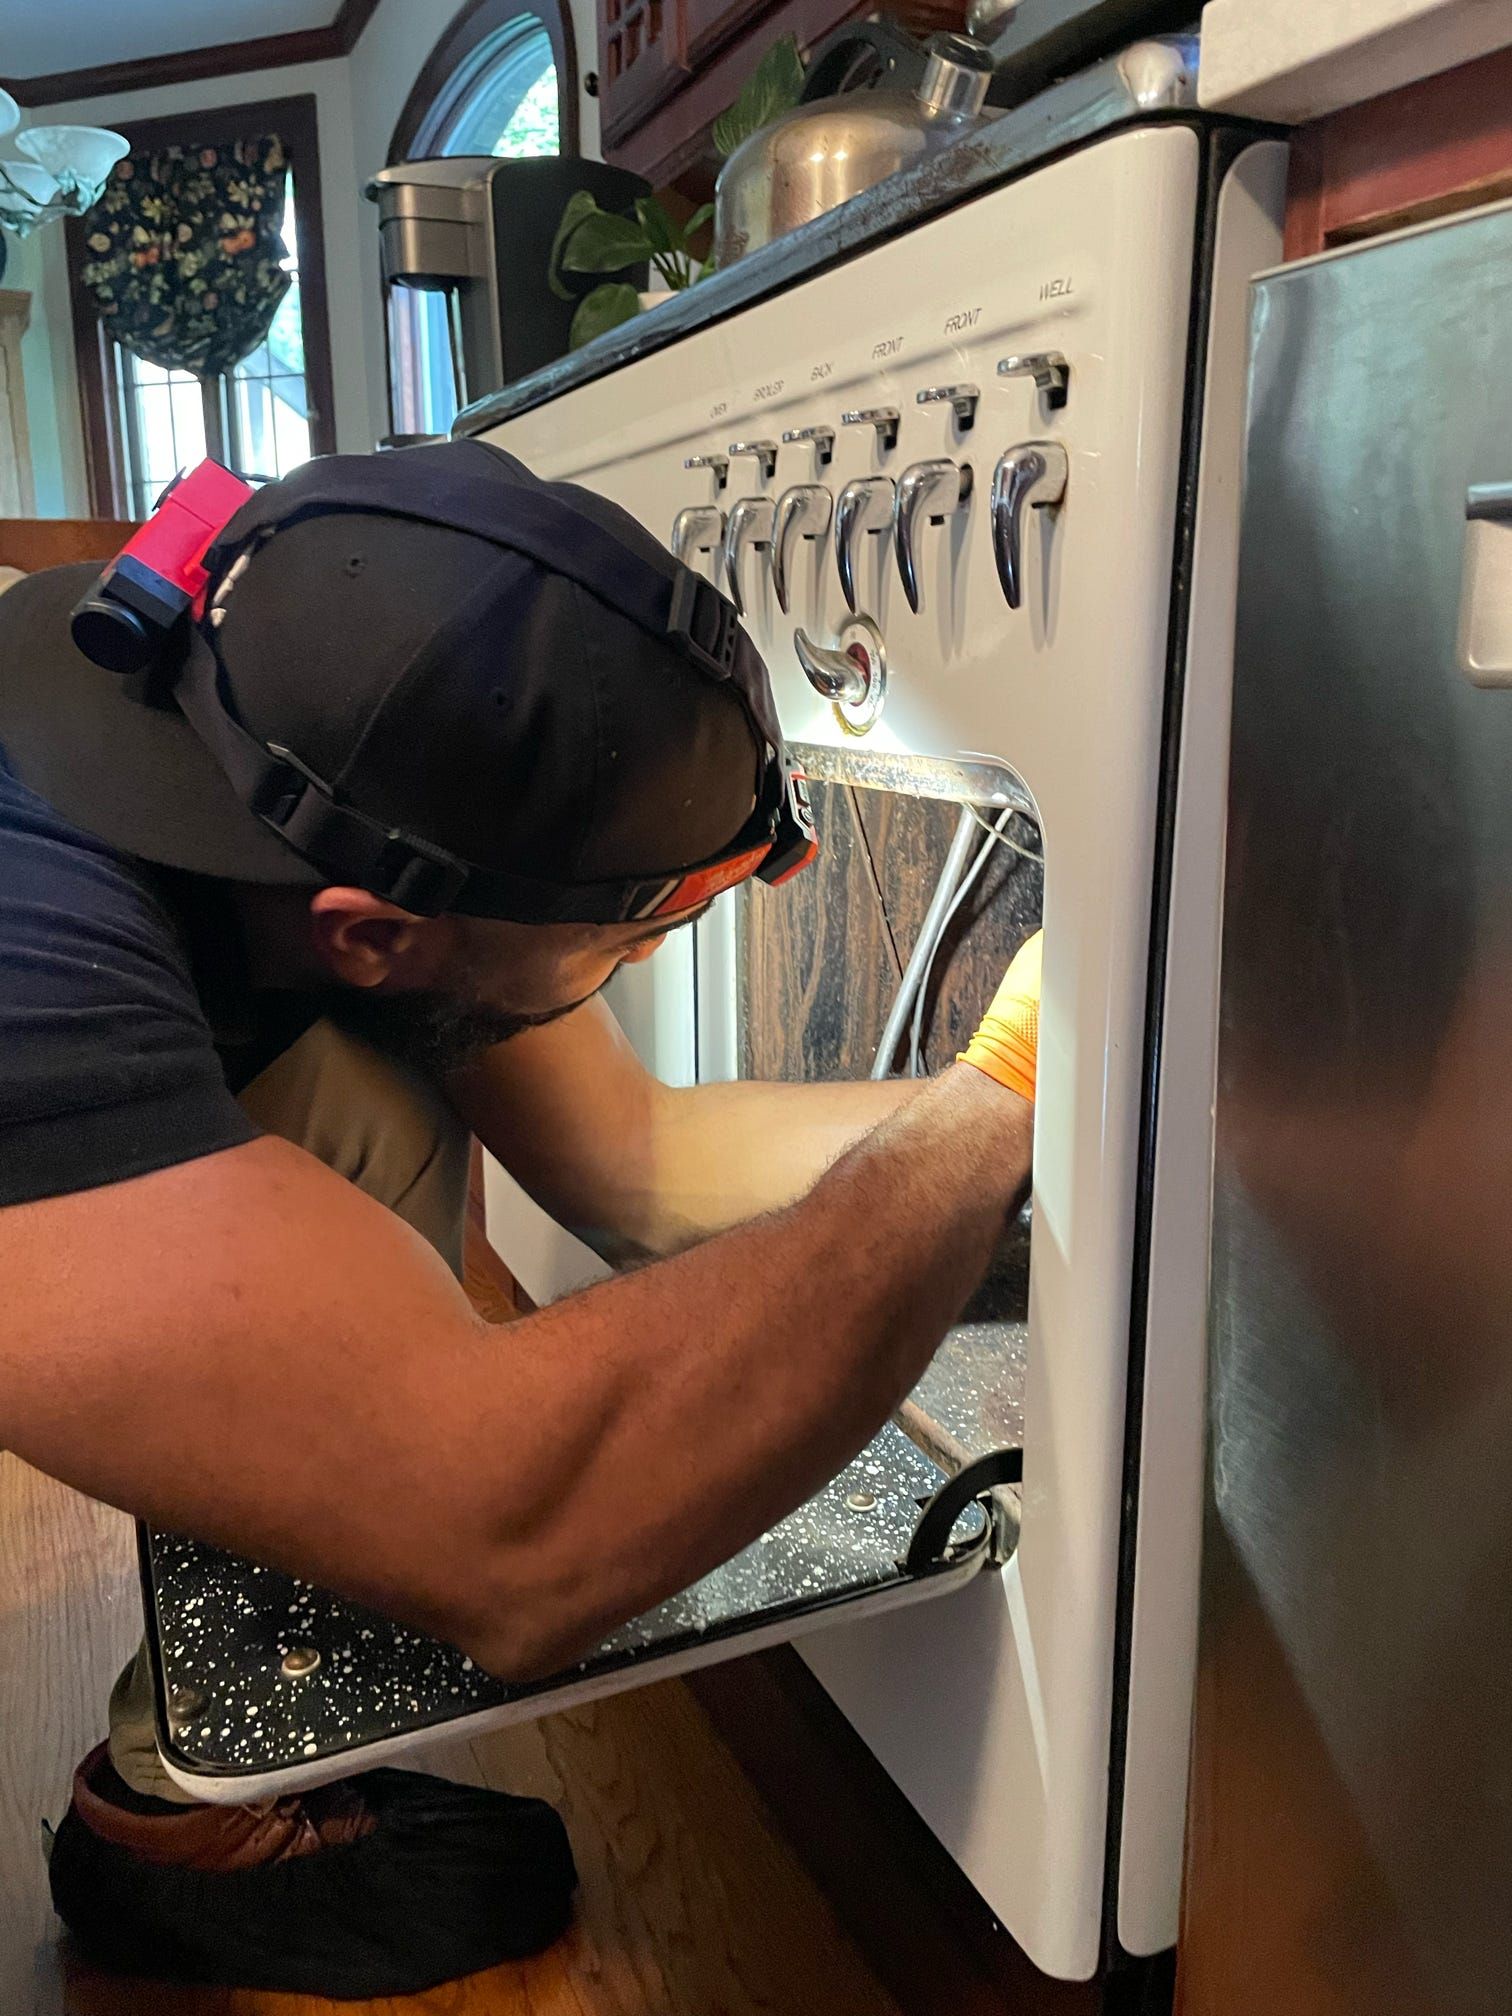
x=829, y=149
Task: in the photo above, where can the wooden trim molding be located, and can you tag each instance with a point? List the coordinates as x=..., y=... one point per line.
x=1440, y=145
x=295, y=122
x=18, y=490
x=191, y=66
x=469, y=29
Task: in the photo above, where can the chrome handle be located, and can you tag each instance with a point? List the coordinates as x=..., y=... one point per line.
x=1048, y=368
x=962, y=397
x=986, y=19
x=698, y=529
x=1484, y=641
x=864, y=505
x=750, y=525
x=804, y=513
x=883, y=418
x=1029, y=477
x=720, y=464
x=838, y=675
x=853, y=676
x=927, y=492
x=765, y=453
x=823, y=439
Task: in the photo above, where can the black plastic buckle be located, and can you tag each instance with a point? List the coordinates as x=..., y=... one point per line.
x=705, y=623
x=417, y=877
x=344, y=842
x=280, y=789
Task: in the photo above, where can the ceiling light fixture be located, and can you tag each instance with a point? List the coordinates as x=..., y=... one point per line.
x=56, y=171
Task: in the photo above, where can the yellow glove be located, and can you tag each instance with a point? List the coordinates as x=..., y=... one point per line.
x=1007, y=1043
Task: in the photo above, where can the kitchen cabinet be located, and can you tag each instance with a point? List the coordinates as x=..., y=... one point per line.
x=668, y=68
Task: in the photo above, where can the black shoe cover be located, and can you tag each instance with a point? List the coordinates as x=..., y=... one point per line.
x=450, y=1881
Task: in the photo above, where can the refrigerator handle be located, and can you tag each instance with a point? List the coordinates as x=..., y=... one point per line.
x=1484, y=644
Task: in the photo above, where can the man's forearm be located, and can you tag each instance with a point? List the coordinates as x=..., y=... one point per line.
x=725, y=1153
x=753, y=1367
x=272, y=1361
x=636, y=1168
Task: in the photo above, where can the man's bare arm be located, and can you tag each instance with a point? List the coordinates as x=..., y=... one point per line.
x=636, y=1167
x=246, y=1348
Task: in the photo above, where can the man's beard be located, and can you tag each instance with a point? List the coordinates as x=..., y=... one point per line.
x=432, y=1032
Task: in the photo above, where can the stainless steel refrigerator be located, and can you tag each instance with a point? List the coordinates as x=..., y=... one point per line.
x=1350, y=1847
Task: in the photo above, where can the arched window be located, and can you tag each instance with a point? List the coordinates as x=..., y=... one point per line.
x=502, y=80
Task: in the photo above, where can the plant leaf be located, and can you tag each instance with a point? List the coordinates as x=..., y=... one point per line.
x=605, y=308
x=697, y=221
x=576, y=208
x=604, y=243
x=661, y=232
x=772, y=88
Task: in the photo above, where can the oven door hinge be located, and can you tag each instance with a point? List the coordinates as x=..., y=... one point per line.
x=989, y=1480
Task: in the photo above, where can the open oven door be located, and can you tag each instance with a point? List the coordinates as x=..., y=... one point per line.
x=266, y=1685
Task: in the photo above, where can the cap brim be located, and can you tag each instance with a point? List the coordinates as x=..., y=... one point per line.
x=135, y=776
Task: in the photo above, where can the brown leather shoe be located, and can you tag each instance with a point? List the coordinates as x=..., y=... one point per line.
x=214, y=1837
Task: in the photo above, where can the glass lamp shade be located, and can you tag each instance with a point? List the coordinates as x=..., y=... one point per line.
x=10, y=114
x=77, y=157
x=28, y=197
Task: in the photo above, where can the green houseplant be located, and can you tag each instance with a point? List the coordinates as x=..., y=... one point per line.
x=591, y=240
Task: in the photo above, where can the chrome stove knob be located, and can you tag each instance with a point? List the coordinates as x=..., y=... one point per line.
x=864, y=505
x=820, y=439
x=852, y=675
x=765, y=453
x=802, y=513
x=928, y=493
x=720, y=464
x=750, y=527
x=698, y=529
x=1030, y=477
x=1048, y=368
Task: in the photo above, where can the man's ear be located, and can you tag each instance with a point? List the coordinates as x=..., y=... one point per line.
x=363, y=940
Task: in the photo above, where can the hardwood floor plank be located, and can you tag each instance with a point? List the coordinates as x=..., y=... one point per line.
x=690, y=1905
x=69, y=1617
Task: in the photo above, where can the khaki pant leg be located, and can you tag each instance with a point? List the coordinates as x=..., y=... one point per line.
x=393, y=1134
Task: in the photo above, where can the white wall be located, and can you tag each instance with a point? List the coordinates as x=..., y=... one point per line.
x=358, y=101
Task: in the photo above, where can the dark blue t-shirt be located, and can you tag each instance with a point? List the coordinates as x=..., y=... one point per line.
x=108, y=1064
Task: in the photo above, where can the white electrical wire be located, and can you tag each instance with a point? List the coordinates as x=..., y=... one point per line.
x=957, y=879
x=956, y=860
x=967, y=884
x=987, y=827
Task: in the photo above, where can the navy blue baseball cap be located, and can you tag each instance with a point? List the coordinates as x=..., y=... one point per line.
x=436, y=675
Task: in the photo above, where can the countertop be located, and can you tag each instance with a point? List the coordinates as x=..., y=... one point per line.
x=1150, y=80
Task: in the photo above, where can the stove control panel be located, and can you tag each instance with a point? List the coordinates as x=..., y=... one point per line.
x=952, y=436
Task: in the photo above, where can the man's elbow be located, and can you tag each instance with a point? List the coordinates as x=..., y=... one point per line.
x=513, y=1626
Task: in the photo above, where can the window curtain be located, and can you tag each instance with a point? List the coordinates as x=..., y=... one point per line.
x=184, y=250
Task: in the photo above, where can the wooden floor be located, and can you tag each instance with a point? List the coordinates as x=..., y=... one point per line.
x=690, y=1905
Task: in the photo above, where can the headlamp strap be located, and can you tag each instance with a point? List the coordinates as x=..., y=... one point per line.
x=669, y=600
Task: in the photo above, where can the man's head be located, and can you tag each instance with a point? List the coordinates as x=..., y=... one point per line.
x=461, y=704
x=434, y=991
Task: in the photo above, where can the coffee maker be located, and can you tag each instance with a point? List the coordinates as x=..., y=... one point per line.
x=479, y=231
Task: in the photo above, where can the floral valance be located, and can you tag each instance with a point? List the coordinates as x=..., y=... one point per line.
x=183, y=253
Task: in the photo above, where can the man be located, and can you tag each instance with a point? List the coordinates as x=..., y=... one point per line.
x=332, y=886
